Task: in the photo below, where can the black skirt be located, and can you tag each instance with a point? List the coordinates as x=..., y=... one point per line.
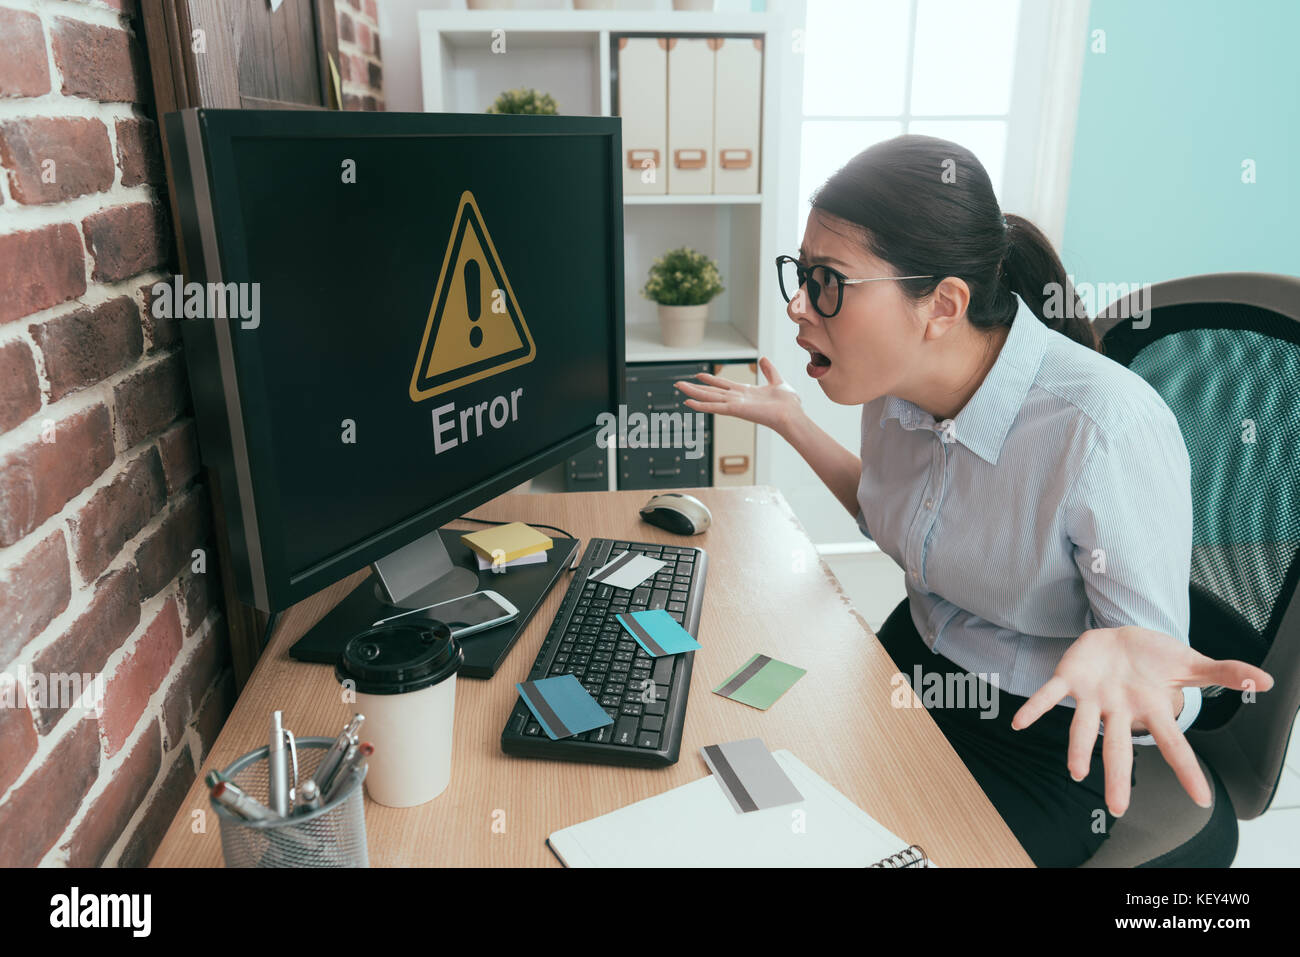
x=1060, y=822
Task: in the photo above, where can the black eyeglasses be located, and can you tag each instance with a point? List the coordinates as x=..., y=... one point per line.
x=825, y=285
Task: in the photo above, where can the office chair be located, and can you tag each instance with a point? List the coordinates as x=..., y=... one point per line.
x=1223, y=351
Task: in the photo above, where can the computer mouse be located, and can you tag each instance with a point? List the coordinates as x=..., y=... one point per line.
x=678, y=513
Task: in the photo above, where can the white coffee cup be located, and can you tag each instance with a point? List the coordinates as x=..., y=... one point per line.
x=404, y=678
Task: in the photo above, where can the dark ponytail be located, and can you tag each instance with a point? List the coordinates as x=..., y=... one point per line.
x=926, y=207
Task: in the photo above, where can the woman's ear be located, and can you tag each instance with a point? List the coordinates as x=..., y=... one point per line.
x=946, y=306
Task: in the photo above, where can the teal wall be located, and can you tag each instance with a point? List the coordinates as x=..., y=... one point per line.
x=1185, y=91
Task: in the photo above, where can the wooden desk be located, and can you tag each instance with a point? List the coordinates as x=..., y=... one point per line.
x=767, y=591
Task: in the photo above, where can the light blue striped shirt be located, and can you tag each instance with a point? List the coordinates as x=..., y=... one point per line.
x=1058, y=500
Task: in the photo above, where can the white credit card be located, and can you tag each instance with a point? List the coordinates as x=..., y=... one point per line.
x=626, y=570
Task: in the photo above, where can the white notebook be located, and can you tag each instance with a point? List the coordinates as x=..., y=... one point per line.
x=695, y=826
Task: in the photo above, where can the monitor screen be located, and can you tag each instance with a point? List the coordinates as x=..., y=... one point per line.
x=437, y=317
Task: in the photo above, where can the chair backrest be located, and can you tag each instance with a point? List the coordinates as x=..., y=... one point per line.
x=1223, y=351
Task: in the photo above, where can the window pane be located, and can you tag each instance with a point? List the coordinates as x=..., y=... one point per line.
x=987, y=139
x=829, y=144
x=965, y=57
x=855, y=56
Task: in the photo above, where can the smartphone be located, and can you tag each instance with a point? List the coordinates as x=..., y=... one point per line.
x=466, y=615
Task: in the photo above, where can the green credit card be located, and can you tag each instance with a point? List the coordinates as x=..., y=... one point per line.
x=760, y=681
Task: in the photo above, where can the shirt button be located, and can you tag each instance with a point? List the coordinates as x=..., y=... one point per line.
x=914, y=574
x=929, y=503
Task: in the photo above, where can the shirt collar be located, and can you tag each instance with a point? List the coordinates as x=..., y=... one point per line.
x=983, y=423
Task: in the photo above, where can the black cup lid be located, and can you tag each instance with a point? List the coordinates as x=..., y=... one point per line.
x=396, y=658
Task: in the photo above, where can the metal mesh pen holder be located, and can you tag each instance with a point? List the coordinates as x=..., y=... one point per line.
x=333, y=835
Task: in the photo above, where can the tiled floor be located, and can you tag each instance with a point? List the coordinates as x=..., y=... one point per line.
x=875, y=585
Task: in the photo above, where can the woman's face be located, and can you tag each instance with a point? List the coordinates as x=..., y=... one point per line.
x=874, y=341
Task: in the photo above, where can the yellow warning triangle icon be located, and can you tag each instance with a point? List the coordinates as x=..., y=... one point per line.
x=475, y=328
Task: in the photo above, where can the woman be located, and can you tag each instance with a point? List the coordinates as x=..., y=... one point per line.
x=1036, y=493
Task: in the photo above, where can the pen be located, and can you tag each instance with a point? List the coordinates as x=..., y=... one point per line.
x=278, y=768
x=308, y=797
x=250, y=809
x=330, y=763
x=355, y=761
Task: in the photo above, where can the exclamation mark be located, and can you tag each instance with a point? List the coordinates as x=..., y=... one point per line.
x=473, y=303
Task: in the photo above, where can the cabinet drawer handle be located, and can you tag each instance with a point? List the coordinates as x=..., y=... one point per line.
x=588, y=476
x=636, y=159
x=688, y=161
x=735, y=159
x=733, y=464
x=659, y=473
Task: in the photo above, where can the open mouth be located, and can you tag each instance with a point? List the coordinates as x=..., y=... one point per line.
x=818, y=362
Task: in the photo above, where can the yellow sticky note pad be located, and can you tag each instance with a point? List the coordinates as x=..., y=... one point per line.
x=507, y=541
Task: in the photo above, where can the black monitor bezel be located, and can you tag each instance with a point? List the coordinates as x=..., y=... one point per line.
x=212, y=244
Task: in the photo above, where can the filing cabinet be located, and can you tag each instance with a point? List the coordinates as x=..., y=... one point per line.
x=588, y=471
x=650, y=391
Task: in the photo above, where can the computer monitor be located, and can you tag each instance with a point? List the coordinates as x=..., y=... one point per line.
x=389, y=318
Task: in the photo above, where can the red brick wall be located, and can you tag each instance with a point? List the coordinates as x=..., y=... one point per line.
x=101, y=499
x=360, y=68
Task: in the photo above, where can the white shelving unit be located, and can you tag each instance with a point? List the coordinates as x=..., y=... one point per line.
x=569, y=54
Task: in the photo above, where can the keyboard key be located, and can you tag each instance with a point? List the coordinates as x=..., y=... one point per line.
x=630, y=709
x=533, y=728
x=601, y=735
x=517, y=721
x=625, y=731
x=659, y=598
x=647, y=739
x=610, y=700
x=641, y=595
x=656, y=708
x=676, y=606
x=652, y=723
x=663, y=670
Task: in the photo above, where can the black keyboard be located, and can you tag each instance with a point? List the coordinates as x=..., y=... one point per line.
x=587, y=641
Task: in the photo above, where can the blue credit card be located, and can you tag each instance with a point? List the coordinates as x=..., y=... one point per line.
x=562, y=706
x=658, y=632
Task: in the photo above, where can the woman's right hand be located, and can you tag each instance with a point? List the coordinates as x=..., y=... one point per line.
x=774, y=405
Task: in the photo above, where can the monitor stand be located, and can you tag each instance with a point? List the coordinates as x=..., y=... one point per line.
x=524, y=586
x=421, y=574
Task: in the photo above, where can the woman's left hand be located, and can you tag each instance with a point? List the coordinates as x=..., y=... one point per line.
x=1131, y=679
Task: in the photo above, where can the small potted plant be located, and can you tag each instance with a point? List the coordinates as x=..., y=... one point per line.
x=525, y=101
x=683, y=281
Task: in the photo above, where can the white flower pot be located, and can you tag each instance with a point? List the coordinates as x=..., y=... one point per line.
x=683, y=325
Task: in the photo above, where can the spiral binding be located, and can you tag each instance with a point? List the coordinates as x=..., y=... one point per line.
x=913, y=856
